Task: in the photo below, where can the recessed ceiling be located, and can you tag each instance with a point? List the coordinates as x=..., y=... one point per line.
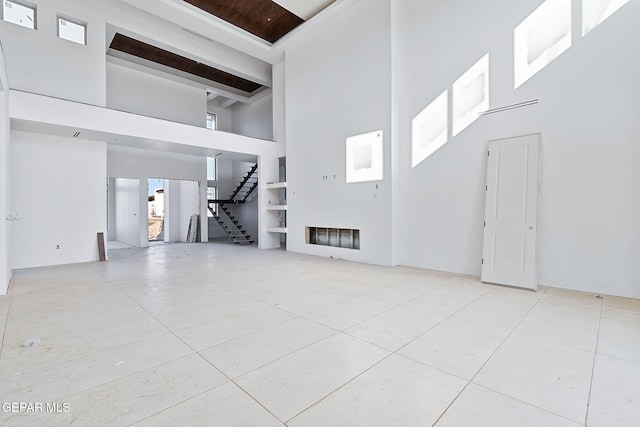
x=155, y=54
x=267, y=19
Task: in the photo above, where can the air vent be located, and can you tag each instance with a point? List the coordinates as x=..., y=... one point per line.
x=346, y=238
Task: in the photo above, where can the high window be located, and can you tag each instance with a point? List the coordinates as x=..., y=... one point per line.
x=21, y=14
x=211, y=121
x=72, y=30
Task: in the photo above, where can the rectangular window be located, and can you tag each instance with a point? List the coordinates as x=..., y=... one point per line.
x=211, y=121
x=72, y=30
x=212, y=169
x=19, y=13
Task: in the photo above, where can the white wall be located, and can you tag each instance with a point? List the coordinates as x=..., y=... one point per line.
x=5, y=188
x=38, y=61
x=111, y=209
x=126, y=162
x=172, y=211
x=138, y=92
x=279, y=102
x=127, y=210
x=588, y=118
x=189, y=205
x=255, y=120
x=338, y=84
x=58, y=190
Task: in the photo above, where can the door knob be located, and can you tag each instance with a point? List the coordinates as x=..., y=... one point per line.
x=531, y=227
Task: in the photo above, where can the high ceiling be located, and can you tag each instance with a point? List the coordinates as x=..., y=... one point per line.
x=249, y=27
x=267, y=19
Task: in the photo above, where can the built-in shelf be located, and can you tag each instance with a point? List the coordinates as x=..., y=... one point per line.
x=277, y=229
x=276, y=185
x=277, y=207
x=277, y=220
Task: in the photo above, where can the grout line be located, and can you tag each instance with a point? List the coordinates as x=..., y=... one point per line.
x=470, y=381
x=194, y=352
x=391, y=352
x=593, y=366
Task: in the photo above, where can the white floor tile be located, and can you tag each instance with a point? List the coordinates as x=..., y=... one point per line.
x=348, y=313
x=395, y=392
x=620, y=340
x=192, y=316
x=480, y=407
x=494, y=312
x=54, y=349
x=623, y=309
x=615, y=393
x=209, y=334
x=565, y=299
x=456, y=346
x=450, y=298
x=309, y=303
x=291, y=384
x=118, y=342
x=76, y=375
x=132, y=398
x=396, y=327
x=224, y=406
x=561, y=327
x=550, y=376
x=249, y=352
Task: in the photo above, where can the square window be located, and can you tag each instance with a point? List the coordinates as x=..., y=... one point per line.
x=72, y=31
x=19, y=13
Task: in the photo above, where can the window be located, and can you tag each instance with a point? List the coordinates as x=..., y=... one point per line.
x=19, y=13
x=212, y=194
x=211, y=121
x=72, y=30
x=212, y=169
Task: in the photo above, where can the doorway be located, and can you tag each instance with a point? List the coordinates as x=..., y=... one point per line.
x=172, y=205
x=155, y=199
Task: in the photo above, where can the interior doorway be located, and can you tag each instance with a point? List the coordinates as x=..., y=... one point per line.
x=172, y=205
x=155, y=221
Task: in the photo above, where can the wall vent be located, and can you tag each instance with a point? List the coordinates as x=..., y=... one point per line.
x=346, y=238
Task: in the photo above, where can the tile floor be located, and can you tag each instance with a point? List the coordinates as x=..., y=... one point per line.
x=219, y=335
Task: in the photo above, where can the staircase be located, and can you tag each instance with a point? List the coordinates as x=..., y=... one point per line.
x=246, y=186
x=235, y=232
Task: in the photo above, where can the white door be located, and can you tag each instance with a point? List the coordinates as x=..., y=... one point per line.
x=509, y=254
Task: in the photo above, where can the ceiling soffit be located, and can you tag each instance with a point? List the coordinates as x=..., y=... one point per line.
x=155, y=54
x=263, y=18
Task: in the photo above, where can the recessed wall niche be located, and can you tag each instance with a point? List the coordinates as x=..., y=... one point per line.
x=346, y=238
